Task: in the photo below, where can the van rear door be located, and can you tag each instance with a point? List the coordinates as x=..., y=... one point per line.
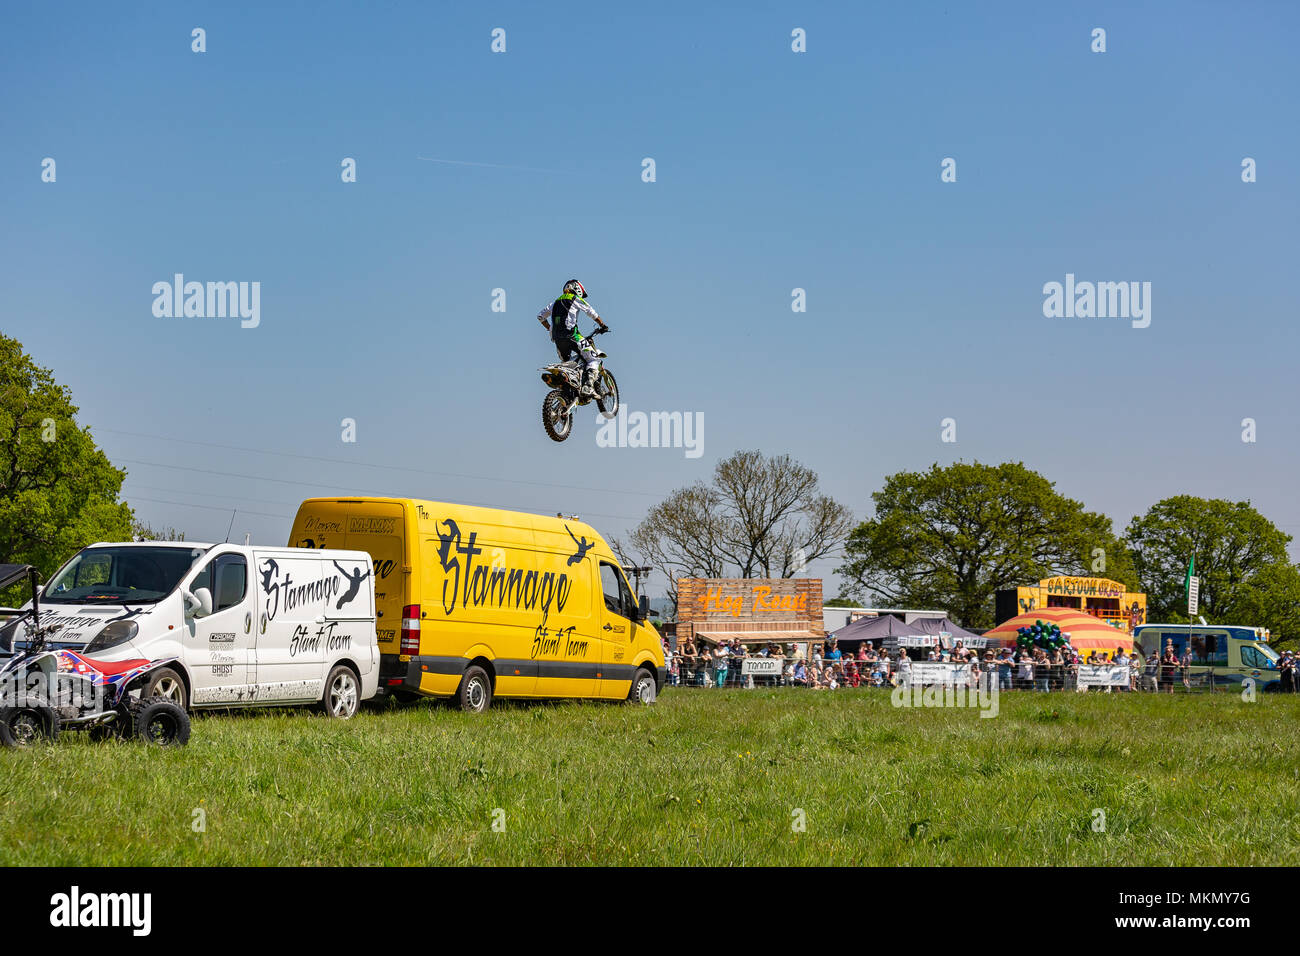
x=291, y=625
x=375, y=527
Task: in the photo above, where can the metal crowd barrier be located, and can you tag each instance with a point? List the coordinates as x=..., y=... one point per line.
x=1096, y=678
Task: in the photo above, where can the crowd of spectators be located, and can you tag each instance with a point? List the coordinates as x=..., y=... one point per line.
x=722, y=665
x=1031, y=668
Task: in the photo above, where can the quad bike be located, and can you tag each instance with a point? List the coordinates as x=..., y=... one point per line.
x=44, y=690
x=565, y=380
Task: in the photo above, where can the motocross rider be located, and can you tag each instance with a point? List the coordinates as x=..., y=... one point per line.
x=560, y=318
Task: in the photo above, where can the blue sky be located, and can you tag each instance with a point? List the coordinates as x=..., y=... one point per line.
x=775, y=170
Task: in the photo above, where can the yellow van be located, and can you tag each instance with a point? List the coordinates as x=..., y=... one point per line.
x=476, y=602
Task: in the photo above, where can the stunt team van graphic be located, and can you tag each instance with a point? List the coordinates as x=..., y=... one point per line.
x=496, y=586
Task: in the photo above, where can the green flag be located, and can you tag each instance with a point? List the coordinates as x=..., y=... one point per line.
x=1191, y=570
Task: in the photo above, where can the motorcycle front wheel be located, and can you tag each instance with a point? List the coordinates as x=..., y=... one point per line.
x=608, y=400
x=555, y=418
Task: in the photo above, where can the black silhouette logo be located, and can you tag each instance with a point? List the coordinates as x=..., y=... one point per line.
x=583, y=547
x=354, y=579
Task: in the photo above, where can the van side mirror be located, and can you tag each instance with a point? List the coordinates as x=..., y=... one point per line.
x=198, y=604
x=643, y=609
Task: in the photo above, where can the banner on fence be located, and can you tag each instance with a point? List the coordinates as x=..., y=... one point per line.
x=761, y=666
x=937, y=672
x=1103, y=675
x=918, y=640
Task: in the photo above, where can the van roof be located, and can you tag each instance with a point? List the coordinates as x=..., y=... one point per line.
x=485, y=509
x=187, y=545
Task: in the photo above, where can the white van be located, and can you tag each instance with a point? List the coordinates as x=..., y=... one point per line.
x=246, y=626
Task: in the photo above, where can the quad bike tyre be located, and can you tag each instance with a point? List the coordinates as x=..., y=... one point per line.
x=31, y=723
x=158, y=720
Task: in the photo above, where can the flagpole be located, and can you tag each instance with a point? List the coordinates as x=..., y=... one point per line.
x=1191, y=566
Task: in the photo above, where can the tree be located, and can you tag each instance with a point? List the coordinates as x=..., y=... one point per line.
x=142, y=531
x=950, y=537
x=758, y=517
x=1245, y=574
x=58, y=491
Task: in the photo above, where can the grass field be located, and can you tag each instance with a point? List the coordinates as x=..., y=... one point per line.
x=703, y=777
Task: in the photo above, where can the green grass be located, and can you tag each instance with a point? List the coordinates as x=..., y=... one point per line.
x=703, y=777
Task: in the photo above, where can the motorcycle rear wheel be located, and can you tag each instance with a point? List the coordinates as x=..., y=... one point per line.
x=557, y=423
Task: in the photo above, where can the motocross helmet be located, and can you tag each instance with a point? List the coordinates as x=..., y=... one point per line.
x=574, y=287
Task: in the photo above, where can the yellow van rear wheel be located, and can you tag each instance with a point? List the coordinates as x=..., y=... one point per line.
x=475, y=691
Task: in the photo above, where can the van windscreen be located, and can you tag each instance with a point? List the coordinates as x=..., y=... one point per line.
x=119, y=575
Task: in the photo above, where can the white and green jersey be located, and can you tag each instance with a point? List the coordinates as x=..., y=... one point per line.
x=564, y=313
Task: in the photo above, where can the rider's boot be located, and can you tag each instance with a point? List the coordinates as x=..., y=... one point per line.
x=588, y=383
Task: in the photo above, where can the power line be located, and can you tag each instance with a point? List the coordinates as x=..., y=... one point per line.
x=314, y=484
x=367, y=464
x=185, y=504
x=206, y=494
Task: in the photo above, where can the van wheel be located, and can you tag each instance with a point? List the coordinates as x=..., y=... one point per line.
x=475, y=691
x=157, y=720
x=165, y=683
x=342, y=694
x=30, y=724
x=643, y=688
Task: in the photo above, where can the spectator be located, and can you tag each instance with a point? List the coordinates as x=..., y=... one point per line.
x=1168, y=667
x=833, y=653
x=1025, y=675
x=864, y=650
x=800, y=673
x=670, y=664
x=721, y=657
x=1286, y=668
x=1057, y=669
x=1041, y=673
x=904, y=667
x=1005, y=667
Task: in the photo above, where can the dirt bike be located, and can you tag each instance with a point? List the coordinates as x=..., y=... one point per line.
x=565, y=380
x=44, y=690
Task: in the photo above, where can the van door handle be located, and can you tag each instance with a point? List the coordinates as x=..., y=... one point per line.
x=609, y=627
x=320, y=619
